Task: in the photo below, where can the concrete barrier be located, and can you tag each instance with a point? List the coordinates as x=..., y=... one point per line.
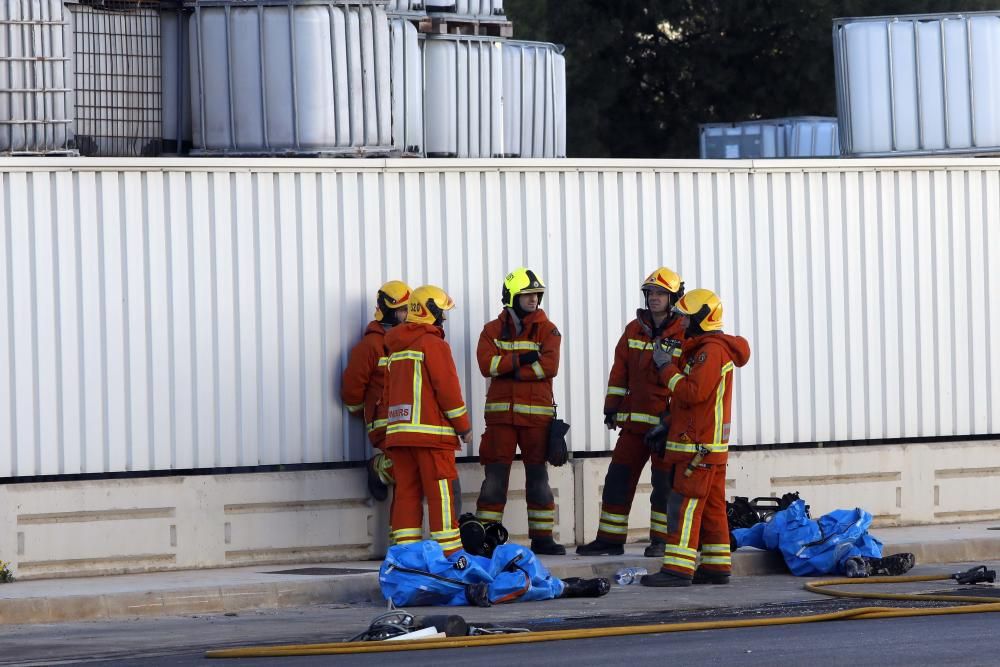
x=74, y=528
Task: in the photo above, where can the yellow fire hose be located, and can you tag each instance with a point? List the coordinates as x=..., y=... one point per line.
x=972, y=605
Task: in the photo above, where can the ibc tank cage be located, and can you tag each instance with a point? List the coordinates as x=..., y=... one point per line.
x=118, y=84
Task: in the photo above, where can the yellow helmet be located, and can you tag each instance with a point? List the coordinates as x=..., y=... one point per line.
x=666, y=279
x=427, y=305
x=521, y=281
x=392, y=295
x=703, y=308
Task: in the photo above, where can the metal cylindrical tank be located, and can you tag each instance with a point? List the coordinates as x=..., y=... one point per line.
x=534, y=101
x=801, y=136
x=463, y=91
x=473, y=8
x=407, y=89
x=36, y=78
x=176, y=80
x=298, y=77
x=919, y=84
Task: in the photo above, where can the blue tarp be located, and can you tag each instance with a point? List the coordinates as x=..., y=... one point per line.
x=419, y=574
x=813, y=547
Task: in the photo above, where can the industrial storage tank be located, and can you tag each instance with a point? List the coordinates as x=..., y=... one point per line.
x=918, y=84
x=471, y=8
x=796, y=136
x=304, y=78
x=119, y=97
x=534, y=100
x=407, y=88
x=463, y=90
x=36, y=78
x=405, y=7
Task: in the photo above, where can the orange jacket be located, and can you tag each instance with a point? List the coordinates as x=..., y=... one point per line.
x=519, y=394
x=701, y=395
x=635, y=394
x=422, y=396
x=363, y=379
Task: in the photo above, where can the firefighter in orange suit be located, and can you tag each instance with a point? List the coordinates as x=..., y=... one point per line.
x=426, y=418
x=634, y=403
x=519, y=353
x=700, y=385
x=364, y=378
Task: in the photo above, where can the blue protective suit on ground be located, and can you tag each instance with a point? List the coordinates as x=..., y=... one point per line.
x=419, y=574
x=813, y=547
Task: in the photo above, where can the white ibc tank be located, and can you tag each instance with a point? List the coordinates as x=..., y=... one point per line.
x=36, y=78
x=407, y=89
x=922, y=84
x=463, y=89
x=534, y=100
x=800, y=136
x=472, y=8
x=308, y=78
x=405, y=7
x=176, y=81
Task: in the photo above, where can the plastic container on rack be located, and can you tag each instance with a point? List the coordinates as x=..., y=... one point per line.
x=407, y=89
x=471, y=8
x=407, y=7
x=534, y=100
x=800, y=136
x=175, y=80
x=463, y=89
x=36, y=78
x=918, y=84
x=292, y=77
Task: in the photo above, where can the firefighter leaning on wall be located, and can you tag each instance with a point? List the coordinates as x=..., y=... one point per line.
x=426, y=417
x=634, y=404
x=519, y=353
x=700, y=388
x=364, y=378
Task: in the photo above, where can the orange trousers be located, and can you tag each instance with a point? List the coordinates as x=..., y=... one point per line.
x=627, y=461
x=696, y=516
x=496, y=453
x=425, y=472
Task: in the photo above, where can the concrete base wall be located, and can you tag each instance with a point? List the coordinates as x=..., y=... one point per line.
x=79, y=528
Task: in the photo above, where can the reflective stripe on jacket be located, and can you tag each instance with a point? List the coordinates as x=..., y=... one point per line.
x=519, y=394
x=422, y=397
x=634, y=393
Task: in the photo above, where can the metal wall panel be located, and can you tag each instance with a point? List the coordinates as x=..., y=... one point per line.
x=175, y=314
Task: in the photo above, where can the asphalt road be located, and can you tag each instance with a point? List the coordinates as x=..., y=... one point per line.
x=969, y=639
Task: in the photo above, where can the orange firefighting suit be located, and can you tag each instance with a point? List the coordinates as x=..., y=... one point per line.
x=363, y=380
x=701, y=397
x=520, y=358
x=637, y=400
x=426, y=415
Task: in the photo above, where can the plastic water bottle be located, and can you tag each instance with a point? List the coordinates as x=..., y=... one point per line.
x=629, y=575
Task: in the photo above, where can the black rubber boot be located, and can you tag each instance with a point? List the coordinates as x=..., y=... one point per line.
x=599, y=548
x=546, y=546
x=575, y=587
x=702, y=576
x=892, y=566
x=664, y=580
x=655, y=549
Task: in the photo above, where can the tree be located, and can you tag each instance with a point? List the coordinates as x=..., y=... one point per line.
x=643, y=74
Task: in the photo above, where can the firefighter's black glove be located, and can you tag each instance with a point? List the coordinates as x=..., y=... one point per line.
x=527, y=358
x=663, y=353
x=610, y=420
x=656, y=439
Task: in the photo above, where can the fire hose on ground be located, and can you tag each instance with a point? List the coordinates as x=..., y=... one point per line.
x=968, y=605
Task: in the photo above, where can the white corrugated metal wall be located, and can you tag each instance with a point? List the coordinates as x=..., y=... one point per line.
x=183, y=314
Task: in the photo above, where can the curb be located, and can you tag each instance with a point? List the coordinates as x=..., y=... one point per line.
x=363, y=588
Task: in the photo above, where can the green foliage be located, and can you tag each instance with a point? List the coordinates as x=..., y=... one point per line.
x=6, y=576
x=643, y=74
